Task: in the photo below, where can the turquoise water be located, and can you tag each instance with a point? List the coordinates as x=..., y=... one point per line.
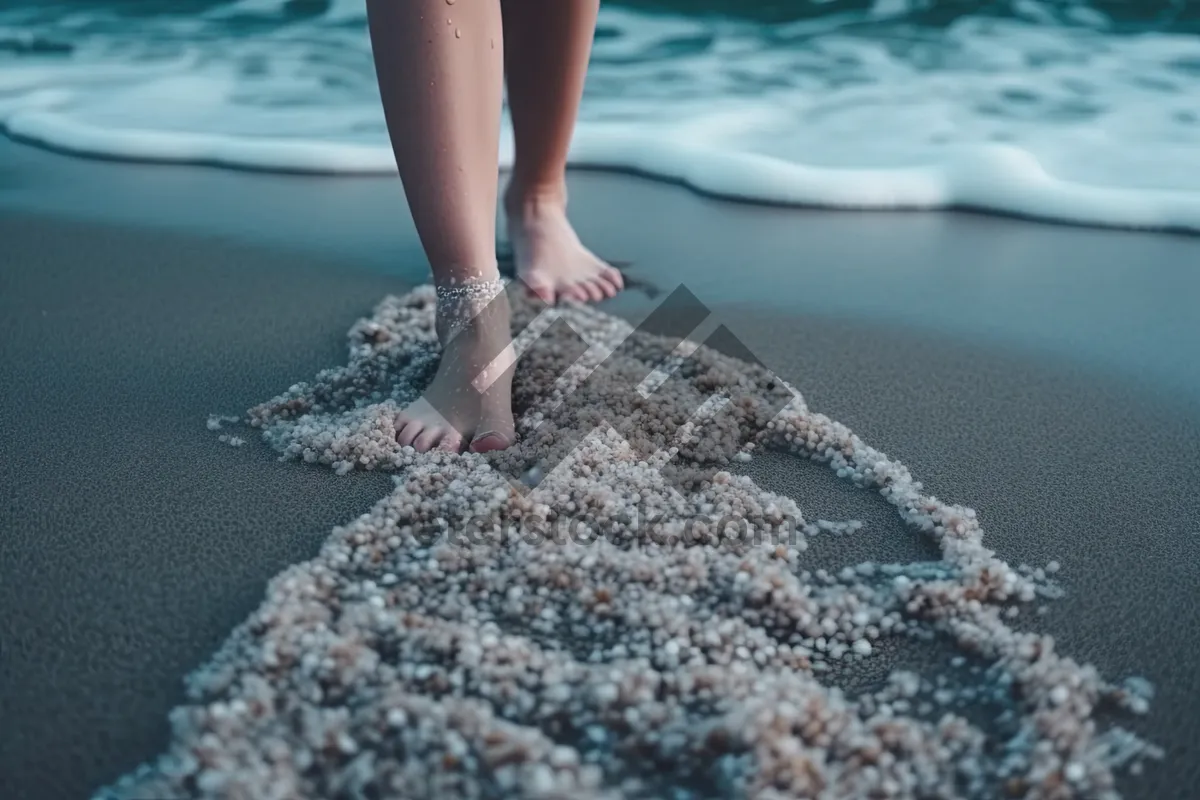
x=1073, y=111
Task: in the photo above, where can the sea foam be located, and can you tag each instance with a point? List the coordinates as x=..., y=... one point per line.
x=1069, y=123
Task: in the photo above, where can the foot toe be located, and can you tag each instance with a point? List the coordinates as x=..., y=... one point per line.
x=495, y=431
x=451, y=442
x=428, y=438
x=613, y=276
x=591, y=289
x=408, y=434
x=492, y=440
x=605, y=286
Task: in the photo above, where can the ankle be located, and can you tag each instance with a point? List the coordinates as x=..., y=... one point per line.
x=464, y=307
x=448, y=274
x=523, y=198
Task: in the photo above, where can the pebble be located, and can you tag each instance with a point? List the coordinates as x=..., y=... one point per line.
x=400, y=661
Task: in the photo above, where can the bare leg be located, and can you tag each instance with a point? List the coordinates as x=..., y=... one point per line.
x=548, y=43
x=440, y=71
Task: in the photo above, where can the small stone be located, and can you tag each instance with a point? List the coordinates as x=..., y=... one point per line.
x=487, y=606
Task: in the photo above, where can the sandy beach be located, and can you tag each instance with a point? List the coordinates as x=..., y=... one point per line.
x=1041, y=375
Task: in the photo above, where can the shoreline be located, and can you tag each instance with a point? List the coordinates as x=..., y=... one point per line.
x=1017, y=186
x=127, y=332
x=964, y=275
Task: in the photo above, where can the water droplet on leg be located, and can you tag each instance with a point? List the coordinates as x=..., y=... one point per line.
x=457, y=33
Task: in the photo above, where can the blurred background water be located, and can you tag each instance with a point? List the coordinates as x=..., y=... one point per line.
x=1103, y=93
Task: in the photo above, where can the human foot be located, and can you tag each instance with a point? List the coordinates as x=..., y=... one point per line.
x=550, y=259
x=469, y=400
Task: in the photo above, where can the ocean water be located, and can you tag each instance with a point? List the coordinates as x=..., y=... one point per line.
x=1069, y=110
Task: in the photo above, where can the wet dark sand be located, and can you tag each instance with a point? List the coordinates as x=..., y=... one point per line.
x=132, y=541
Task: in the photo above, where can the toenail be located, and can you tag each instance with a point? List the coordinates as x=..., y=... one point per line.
x=499, y=439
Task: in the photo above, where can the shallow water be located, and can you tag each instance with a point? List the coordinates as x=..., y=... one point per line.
x=1071, y=111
